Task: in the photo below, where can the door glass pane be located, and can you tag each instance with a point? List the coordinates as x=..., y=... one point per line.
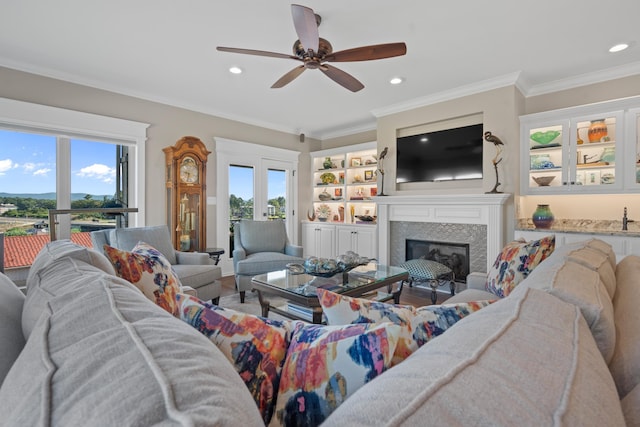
x=27, y=192
x=93, y=184
x=241, y=196
x=276, y=194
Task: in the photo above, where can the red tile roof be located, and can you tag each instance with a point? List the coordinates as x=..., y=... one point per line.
x=20, y=251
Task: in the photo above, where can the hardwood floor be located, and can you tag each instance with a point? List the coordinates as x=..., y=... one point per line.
x=416, y=296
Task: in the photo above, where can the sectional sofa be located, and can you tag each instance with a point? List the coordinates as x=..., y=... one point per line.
x=87, y=348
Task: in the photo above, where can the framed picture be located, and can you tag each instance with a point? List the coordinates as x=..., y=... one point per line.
x=355, y=161
x=338, y=192
x=368, y=175
x=373, y=191
x=341, y=179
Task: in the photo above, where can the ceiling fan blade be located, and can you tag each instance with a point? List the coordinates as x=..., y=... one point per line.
x=288, y=78
x=342, y=78
x=306, y=26
x=368, y=53
x=256, y=52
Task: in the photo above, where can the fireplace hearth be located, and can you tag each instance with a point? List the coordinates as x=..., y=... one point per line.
x=453, y=255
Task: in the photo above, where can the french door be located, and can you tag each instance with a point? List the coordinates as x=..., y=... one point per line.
x=253, y=182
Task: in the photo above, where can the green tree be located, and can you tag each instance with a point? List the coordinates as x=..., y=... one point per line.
x=16, y=231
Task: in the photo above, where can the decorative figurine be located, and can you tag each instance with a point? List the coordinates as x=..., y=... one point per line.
x=497, y=159
x=381, y=157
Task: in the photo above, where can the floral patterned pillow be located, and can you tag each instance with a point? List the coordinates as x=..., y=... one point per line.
x=255, y=346
x=147, y=269
x=327, y=364
x=344, y=310
x=417, y=325
x=514, y=263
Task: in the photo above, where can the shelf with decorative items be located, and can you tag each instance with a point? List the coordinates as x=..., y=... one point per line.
x=344, y=182
x=581, y=150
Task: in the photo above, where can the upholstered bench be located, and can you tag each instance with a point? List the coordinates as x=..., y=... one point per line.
x=426, y=270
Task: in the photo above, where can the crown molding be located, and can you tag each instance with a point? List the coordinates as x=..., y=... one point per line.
x=459, y=92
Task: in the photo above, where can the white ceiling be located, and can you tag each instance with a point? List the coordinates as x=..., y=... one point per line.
x=164, y=50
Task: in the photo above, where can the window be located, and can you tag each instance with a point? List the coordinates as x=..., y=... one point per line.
x=58, y=151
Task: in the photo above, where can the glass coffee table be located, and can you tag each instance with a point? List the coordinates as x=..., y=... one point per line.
x=300, y=289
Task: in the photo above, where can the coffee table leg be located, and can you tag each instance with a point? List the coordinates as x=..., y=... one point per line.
x=396, y=294
x=264, y=304
x=317, y=316
x=434, y=293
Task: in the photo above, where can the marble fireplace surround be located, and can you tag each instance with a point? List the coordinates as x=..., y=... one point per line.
x=474, y=209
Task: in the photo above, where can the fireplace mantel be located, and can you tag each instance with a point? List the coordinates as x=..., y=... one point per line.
x=486, y=209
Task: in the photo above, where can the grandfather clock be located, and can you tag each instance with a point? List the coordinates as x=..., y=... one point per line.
x=186, y=169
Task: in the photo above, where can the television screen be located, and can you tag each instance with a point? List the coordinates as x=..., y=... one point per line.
x=446, y=155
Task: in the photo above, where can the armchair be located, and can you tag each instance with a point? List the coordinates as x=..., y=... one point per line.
x=194, y=269
x=260, y=247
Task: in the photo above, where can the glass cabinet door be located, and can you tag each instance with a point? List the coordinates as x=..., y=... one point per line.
x=596, y=150
x=547, y=146
x=632, y=154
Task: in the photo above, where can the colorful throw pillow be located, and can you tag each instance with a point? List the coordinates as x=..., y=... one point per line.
x=514, y=263
x=255, y=346
x=432, y=320
x=344, y=310
x=147, y=269
x=327, y=364
x=417, y=325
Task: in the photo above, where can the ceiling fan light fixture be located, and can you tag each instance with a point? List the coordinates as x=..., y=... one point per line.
x=618, y=47
x=235, y=70
x=396, y=80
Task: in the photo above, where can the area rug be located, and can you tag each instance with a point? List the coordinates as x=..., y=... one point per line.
x=251, y=304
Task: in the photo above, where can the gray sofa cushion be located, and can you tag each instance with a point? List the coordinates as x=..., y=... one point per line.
x=262, y=236
x=11, y=338
x=264, y=262
x=36, y=296
x=576, y=284
x=625, y=365
x=528, y=360
x=105, y=355
x=157, y=236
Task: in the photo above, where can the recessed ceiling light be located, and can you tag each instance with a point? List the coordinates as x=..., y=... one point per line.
x=235, y=70
x=619, y=47
x=396, y=80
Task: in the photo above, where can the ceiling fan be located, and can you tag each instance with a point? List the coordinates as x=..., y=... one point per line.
x=315, y=52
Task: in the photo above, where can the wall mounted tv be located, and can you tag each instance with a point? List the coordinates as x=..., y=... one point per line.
x=445, y=155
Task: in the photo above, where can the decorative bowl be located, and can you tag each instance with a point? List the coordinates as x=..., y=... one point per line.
x=328, y=178
x=323, y=267
x=366, y=218
x=543, y=181
x=544, y=138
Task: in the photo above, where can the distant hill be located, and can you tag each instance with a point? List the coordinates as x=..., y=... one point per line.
x=52, y=196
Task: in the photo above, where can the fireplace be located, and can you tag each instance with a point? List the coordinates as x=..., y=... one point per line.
x=453, y=255
x=474, y=219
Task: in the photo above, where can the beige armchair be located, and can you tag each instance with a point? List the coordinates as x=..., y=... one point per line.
x=194, y=269
x=260, y=247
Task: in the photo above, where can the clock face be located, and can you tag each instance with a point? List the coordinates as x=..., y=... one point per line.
x=189, y=171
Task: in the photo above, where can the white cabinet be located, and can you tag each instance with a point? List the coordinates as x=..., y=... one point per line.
x=360, y=239
x=343, y=182
x=331, y=240
x=586, y=149
x=319, y=240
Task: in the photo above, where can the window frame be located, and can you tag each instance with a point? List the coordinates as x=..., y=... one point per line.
x=67, y=124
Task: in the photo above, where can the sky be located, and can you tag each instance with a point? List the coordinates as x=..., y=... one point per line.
x=28, y=165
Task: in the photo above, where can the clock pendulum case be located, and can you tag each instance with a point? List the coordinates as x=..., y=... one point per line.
x=185, y=178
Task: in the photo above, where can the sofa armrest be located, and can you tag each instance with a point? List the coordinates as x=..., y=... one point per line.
x=238, y=255
x=189, y=291
x=193, y=258
x=476, y=280
x=293, y=250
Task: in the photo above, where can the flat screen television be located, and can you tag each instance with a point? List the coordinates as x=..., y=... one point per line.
x=445, y=155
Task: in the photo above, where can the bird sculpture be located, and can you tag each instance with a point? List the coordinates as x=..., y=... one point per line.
x=488, y=136
x=381, y=157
